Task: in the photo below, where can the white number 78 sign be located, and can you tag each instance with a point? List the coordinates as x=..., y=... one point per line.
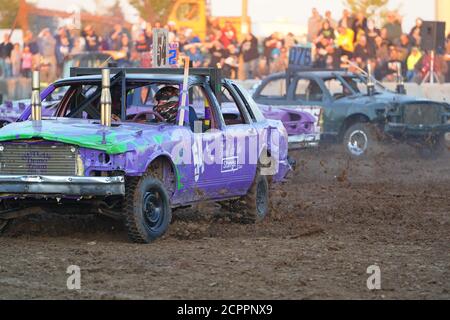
x=160, y=48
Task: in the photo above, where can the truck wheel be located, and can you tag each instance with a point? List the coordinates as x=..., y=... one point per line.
x=147, y=209
x=433, y=149
x=256, y=202
x=3, y=225
x=359, y=140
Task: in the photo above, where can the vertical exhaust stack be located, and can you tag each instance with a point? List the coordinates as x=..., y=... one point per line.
x=400, y=81
x=105, y=100
x=36, y=104
x=370, y=83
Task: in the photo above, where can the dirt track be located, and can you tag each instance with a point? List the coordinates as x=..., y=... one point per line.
x=332, y=221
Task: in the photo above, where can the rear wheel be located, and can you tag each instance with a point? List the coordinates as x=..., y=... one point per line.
x=148, y=213
x=256, y=202
x=360, y=140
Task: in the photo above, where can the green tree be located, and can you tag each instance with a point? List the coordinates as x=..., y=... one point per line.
x=8, y=12
x=153, y=10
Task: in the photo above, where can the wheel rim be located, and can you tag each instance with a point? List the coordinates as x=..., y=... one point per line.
x=358, y=142
x=153, y=210
x=261, y=199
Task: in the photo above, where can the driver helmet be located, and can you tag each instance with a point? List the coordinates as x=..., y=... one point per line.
x=167, y=94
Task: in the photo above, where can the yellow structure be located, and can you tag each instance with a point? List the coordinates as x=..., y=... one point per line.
x=193, y=14
x=443, y=12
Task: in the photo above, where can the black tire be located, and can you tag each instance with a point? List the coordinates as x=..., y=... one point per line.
x=434, y=148
x=148, y=213
x=361, y=140
x=256, y=202
x=4, y=223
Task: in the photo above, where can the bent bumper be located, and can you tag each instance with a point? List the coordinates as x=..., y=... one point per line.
x=304, y=141
x=64, y=186
x=416, y=130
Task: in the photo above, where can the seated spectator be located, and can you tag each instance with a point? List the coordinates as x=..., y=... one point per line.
x=344, y=41
x=404, y=47
x=362, y=52
x=411, y=63
x=326, y=32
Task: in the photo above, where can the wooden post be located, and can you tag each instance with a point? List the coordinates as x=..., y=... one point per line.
x=185, y=92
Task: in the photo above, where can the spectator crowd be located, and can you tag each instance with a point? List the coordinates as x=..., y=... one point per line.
x=354, y=36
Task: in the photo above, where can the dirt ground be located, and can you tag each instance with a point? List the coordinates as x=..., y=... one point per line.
x=329, y=223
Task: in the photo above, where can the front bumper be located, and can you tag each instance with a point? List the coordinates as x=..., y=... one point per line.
x=416, y=130
x=61, y=186
x=304, y=141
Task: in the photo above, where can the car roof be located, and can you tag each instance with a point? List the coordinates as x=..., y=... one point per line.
x=176, y=79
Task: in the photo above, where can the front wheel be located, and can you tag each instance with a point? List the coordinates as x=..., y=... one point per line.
x=148, y=213
x=433, y=148
x=3, y=225
x=3, y=222
x=360, y=139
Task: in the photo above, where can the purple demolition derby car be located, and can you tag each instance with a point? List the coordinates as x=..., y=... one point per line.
x=102, y=150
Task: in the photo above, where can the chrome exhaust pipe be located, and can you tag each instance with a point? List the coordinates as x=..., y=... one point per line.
x=370, y=83
x=105, y=100
x=36, y=103
x=400, y=81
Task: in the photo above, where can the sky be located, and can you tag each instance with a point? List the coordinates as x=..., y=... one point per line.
x=273, y=13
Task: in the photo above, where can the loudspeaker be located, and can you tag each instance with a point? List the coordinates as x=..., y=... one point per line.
x=433, y=36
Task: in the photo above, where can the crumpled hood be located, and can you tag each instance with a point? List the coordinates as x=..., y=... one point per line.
x=85, y=133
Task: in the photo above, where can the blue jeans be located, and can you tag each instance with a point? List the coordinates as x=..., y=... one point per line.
x=6, y=68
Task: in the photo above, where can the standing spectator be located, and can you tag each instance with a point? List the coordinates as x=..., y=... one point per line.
x=417, y=26
x=229, y=35
x=362, y=52
x=328, y=17
x=149, y=35
x=411, y=63
x=218, y=54
x=47, y=47
x=141, y=44
x=447, y=58
x=93, y=41
x=279, y=58
x=346, y=20
x=195, y=55
x=269, y=44
x=231, y=63
x=393, y=27
x=63, y=48
x=372, y=33
x=32, y=44
x=382, y=50
x=115, y=38
x=6, y=47
x=27, y=62
x=416, y=37
x=359, y=25
x=314, y=25
x=16, y=60
x=250, y=55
